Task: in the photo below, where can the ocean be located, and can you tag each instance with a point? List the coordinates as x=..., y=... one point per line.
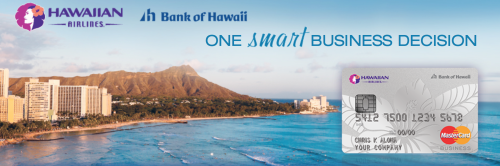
x=276, y=140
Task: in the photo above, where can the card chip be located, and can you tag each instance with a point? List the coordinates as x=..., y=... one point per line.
x=365, y=103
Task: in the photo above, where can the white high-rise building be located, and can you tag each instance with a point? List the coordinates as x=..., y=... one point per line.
x=94, y=100
x=37, y=99
x=54, y=98
x=72, y=101
x=315, y=104
x=4, y=82
x=99, y=101
x=106, y=102
x=52, y=101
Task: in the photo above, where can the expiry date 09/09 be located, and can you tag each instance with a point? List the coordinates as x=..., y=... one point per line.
x=414, y=117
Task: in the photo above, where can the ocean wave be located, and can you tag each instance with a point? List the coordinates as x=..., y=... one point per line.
x=172, y=135
x=161, y=143
x=247, y=149
x=185, y=161
x=486, y=157
x=261, y=159
x=309, y=151
x=218, y=138
x=164, y=150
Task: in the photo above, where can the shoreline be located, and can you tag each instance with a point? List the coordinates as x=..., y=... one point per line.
x=113, y=126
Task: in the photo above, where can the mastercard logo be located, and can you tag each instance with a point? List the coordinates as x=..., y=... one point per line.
x=460, y=135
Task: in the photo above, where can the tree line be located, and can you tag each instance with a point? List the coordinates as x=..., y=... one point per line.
x=162, y=107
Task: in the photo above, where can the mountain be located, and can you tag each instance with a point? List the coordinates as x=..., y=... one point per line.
x=177, y=81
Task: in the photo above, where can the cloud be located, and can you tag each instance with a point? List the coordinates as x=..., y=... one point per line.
x=489, y=77
x=41, y=71
x=488, y=80
x=99, y=66
x=146, y=69
x=197, y=65
x=266, y=68
x=304, y=52
x=16, y=65
x=94, y=66
x=158, y=66
x=313, y=66
x=114, y=52
x=489, y=97
x=74, y=68
x=299, y=70
x=342, y=65
x=188, y=51
x=237, y=68
x=19, y=46
x=497, y=74
x=7, y=37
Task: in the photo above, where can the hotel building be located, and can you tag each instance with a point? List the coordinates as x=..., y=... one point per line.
x=72, y=101
x=54, y=99
x=315, y=104
x=4, y=82
x=66, y=101
x=37, y=99
x=11, y=109
x=98, y=101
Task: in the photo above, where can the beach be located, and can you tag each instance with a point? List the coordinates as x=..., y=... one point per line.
x=32, y=135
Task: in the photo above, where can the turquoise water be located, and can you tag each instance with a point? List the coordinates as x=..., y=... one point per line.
x=277, y=140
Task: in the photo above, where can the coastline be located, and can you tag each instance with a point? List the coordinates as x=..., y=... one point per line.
x=113, y=126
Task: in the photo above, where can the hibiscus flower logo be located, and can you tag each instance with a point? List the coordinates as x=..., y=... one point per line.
x=30, y=16
x=354, y=79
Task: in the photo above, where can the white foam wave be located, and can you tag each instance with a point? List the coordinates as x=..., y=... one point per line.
x=218, y=138
x=164, y=150
x=261, y=159
x=185, y=161
x=161, y=143
x=169, y=134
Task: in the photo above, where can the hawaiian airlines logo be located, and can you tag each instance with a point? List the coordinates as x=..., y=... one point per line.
x=30, y=16
x=461, y=135
x=354, y=79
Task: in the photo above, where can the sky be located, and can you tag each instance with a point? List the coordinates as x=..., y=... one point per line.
x=277, y=72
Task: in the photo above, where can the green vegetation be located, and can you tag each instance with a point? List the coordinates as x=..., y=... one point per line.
x=152, y=108
x=14, y=130
x=196, y=107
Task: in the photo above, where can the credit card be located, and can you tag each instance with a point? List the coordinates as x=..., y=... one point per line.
x=410, y=110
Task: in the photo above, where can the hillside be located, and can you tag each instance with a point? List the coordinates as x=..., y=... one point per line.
x=177, y=81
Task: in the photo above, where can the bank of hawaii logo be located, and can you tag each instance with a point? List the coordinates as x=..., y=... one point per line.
x=354, y=79
x=30, y=16
x=460, y=135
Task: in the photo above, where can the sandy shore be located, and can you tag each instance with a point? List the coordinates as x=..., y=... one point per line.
x=112, y=126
